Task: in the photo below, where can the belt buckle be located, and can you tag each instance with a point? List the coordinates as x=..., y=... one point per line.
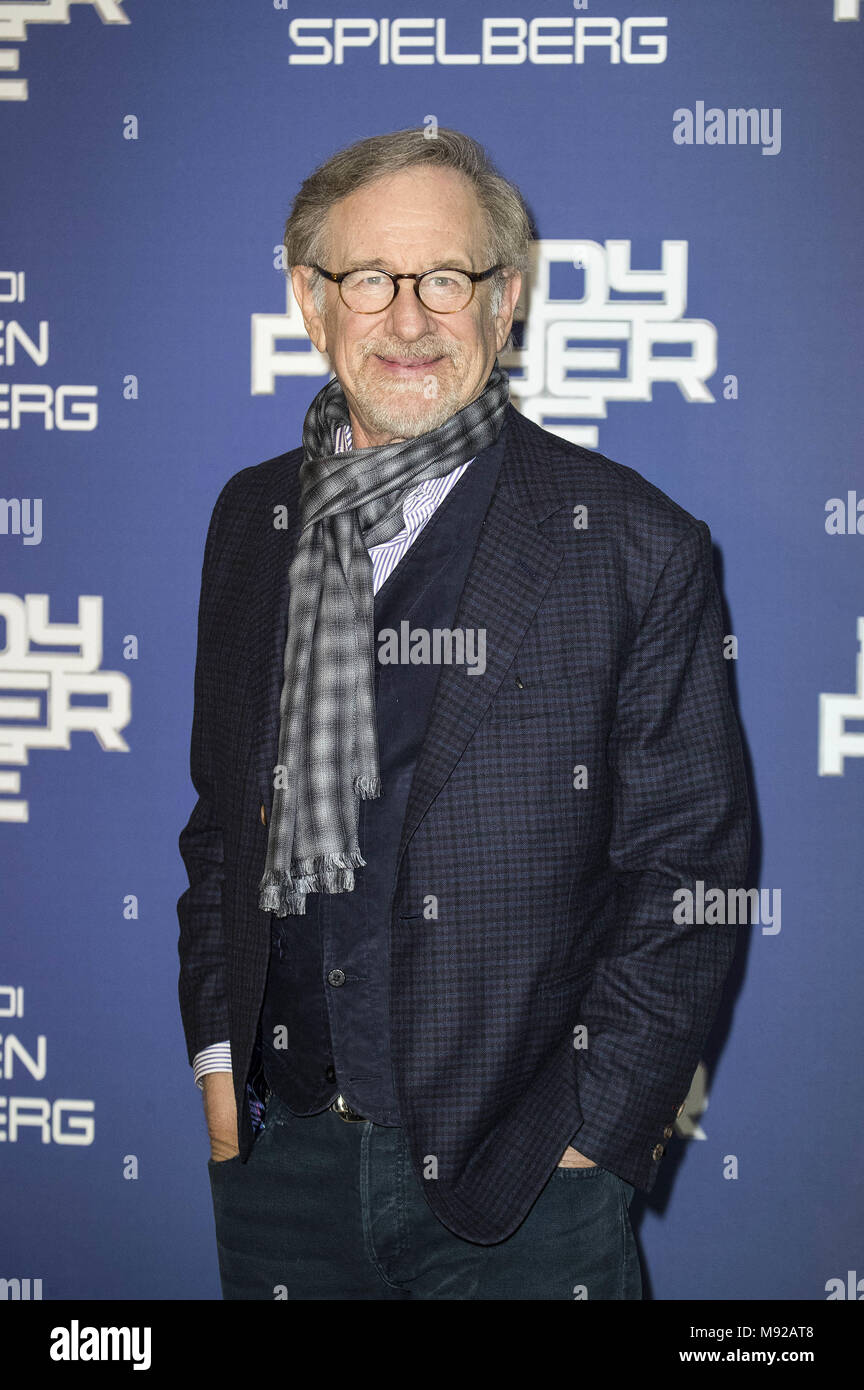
x=341, y=1107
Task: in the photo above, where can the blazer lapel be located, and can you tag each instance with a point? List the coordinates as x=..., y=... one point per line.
x=512, y=567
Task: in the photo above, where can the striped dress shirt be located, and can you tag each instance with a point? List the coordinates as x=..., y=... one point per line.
x=417, y=507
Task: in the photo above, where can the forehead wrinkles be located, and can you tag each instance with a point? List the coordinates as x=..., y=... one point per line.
x=440, y=220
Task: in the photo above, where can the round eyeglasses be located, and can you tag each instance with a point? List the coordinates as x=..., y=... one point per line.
x=443, y=291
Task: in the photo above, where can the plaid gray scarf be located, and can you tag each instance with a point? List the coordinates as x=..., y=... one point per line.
x=328, y=742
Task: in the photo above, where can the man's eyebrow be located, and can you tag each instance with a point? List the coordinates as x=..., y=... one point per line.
x=376, y=263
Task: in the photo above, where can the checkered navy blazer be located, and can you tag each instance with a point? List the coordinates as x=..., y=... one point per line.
x=559, y=801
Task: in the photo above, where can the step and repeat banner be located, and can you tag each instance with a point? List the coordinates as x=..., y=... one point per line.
x=694, y=311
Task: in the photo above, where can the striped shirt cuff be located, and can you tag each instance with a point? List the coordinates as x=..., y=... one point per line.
x=214, y=1058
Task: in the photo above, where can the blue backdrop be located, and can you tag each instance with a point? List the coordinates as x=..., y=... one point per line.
x=695, y=312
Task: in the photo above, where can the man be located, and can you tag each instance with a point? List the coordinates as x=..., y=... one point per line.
x=462, y=730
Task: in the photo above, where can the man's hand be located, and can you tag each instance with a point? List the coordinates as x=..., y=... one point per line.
x=220, y=1109
x=573, y=1159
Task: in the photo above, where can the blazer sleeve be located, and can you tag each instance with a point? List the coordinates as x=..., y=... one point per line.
x=202, y=985
x=680, y=814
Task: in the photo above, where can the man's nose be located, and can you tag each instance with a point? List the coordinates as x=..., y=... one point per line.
x=406, y=314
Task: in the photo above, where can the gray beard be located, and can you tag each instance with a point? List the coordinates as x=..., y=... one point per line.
x=403, y=415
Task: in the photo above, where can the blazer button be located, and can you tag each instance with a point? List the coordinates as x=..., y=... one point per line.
x=680, y=1110
x=668, y=1132
x=657, y=1152
x=336, y=977
x=330, y=1075
x=263, y=814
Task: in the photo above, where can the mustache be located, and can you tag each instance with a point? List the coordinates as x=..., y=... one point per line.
x=416, y=352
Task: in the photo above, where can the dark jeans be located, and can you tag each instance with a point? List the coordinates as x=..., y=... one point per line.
x=324, y=1209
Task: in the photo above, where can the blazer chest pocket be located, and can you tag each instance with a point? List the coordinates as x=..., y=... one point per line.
x=534, y=698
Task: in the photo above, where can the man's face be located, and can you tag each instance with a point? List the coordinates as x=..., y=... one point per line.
x=405, y=370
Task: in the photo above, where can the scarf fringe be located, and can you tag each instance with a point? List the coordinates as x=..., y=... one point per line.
x=367, y=787
x=284, y=893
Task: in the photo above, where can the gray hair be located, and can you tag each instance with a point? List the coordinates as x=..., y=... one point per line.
x=508, y=225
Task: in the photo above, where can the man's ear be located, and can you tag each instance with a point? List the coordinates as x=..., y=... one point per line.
x=509, y=300
x=301, y=276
